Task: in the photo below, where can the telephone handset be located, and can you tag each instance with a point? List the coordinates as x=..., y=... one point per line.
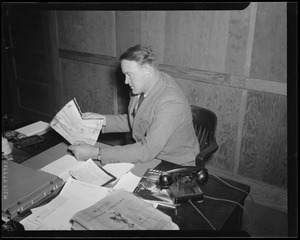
x=182, y=183
x=166, y=179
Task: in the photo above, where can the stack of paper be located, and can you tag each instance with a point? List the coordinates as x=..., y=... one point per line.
x=37, y=128
x=56, y=215
x=86, y=171
x=78, y=195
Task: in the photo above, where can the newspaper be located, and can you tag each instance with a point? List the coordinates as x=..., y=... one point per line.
x=69, y=123
x=122, y=210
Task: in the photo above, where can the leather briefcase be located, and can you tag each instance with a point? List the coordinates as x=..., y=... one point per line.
x=22, y=187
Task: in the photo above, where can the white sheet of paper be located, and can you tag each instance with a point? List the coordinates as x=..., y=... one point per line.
x=62, y=166
x=87, y=190
x=35, y=220
x=91, y=173
x=128, y=182
x=56, y=215
x=37, y=128
x=118, y=169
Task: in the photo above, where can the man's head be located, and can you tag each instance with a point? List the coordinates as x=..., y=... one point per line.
x=139, y=65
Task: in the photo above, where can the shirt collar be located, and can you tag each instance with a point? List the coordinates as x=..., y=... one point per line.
x=145, y=94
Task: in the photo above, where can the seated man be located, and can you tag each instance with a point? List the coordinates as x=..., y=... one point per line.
x=162, y=125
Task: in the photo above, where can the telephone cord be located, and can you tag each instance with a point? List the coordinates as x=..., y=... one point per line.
x=248, y=194
x=202, y=214
x=227, y=200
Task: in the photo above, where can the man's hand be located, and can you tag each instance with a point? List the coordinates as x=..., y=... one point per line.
x=83, y=151
x=91, y=115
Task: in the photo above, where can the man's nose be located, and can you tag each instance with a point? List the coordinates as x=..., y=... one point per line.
x=126, y=80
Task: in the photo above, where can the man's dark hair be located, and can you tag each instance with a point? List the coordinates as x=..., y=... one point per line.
x=141, y=54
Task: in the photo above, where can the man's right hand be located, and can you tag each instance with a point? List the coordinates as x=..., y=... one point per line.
x=83, y=151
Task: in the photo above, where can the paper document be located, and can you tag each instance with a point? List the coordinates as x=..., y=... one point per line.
x=62, y=166
x=37, y=128
x=86, y=171
x=122, y=210
x=56, y=215
x=118, y=169
x=128, y=182
x=69, y=123
x=91, y=173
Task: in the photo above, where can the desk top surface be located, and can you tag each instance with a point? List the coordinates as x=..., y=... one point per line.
x=219, y=203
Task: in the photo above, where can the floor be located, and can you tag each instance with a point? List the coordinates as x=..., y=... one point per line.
x=267, y=222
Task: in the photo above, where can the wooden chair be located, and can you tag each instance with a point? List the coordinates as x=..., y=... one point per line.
x=205, y=124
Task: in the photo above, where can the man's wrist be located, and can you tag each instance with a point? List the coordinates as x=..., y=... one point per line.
x=104, y=121
x=99, y=155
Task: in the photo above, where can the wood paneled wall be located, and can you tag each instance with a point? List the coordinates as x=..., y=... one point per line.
x=269, y=53
x=87, y=31
x=222, y=61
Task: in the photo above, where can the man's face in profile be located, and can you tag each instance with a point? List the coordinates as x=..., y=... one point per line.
x=134, y=76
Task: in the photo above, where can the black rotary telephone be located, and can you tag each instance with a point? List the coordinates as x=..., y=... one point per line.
x=183, y=183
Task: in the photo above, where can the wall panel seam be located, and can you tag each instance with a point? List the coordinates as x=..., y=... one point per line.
x=240, y=131
x=249, y=48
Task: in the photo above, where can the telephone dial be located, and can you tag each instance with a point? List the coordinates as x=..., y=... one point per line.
x=183, y=183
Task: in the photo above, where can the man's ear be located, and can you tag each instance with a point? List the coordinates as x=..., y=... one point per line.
x=148, y=70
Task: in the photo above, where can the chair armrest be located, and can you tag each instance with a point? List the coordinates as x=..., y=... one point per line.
x=206, y=153
x=128, y=138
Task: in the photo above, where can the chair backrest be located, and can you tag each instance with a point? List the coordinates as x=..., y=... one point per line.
x=205, y=123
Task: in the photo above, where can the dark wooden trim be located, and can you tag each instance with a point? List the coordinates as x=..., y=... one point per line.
x=223, y=79
x=54, y=71
x=89, y=57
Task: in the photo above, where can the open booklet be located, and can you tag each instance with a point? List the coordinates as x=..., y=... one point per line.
x=69, y=123
x=148, y=190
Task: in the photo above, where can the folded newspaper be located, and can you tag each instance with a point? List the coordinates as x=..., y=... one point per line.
x=69, y=123
x=122, y=210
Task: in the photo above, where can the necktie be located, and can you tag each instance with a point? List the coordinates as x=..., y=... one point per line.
x=141, y=98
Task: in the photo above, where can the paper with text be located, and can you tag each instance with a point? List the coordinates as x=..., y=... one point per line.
x=62, y=166
x=56, y=215
x=91, y=173
x=86, y=171
x=69, y=123
x=122, y=210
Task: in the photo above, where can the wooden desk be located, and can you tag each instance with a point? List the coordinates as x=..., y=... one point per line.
x=52, y=138
x=224, y=216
